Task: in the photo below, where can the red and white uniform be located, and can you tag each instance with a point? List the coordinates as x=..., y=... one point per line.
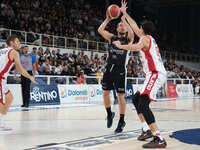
x=5, y=65
x=154, y=69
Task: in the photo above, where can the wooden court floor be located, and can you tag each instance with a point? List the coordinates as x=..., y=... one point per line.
x=84, y=128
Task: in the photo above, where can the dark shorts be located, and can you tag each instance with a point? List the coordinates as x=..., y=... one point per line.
x=114, y=78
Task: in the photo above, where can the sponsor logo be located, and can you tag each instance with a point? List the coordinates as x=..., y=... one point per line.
x=77, y=93
x=129, y=92
x=121, y=89
x=92, y=92
x=63, y=94
x=172, y=89
x=89, y=143
x=151, y=83
x=117, y=51
x=38, y=95
x=183, y=89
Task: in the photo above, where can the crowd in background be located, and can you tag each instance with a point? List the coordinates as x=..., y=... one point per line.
x=53, y=62
x=66, y=18
x=80, y=65
x=76, y=19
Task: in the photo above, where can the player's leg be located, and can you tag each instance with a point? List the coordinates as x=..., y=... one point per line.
x=8, y=102
x=120, y=85
x=27, y=90
x=107, y=104
x=146, y=132
x=23, y=85
x=122, y=110
x=107, y=85
x=158, y=140
x=4, y=110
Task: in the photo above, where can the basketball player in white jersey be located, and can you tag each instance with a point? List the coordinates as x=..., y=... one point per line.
x=155, y=76
x=8, y=57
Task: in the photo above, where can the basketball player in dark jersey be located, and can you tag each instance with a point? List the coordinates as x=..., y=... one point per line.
x=115, y=71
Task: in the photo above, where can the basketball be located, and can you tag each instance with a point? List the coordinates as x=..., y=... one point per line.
x=113, y=11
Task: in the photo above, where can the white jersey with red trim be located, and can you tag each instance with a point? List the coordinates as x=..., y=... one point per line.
x=151, y=58
x=5, y=61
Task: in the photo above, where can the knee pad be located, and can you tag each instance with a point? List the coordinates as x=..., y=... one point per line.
x=148, y=115
x=143, y=103
x=145, y=109
x=135, y=101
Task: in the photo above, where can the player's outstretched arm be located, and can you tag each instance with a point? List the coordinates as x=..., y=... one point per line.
x=105, y=34
x=131, y=21
x=131, y=47
x=129, y=29
x=15, y=57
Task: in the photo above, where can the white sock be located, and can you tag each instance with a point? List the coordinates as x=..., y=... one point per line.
x=157, y=133
x=145, y=127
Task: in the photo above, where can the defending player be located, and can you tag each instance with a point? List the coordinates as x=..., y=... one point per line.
x=115, y=70
x=155, y=76
x=8, y=56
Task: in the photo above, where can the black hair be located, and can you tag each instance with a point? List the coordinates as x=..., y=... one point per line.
x=11, y=39
x=148, y=27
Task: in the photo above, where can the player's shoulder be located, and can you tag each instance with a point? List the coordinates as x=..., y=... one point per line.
x=144, y=37
x=13, y=54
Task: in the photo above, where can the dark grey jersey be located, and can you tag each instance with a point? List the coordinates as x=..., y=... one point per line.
x=115, y=55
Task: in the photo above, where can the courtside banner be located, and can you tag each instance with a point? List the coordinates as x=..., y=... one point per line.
x=184, y=90
x=172, y=90
x=128, y=95
x=17, y=93
x=44, y=95
x=81, y=94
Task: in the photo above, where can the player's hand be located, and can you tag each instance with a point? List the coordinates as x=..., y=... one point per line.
x=108, y=17
x=117, y=43
x=2, y=109
x=15, y=77
x=123, y=6
x=32, y=78
x=123, y=18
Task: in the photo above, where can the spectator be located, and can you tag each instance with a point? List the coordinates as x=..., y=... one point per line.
x=59, y=56
x=81, y=78
x=54, y=56
x=34, y=52
x=47, y=54
x=46, y=67
x=65, y=71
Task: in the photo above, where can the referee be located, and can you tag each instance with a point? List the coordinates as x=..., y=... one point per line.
x=29, y=64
